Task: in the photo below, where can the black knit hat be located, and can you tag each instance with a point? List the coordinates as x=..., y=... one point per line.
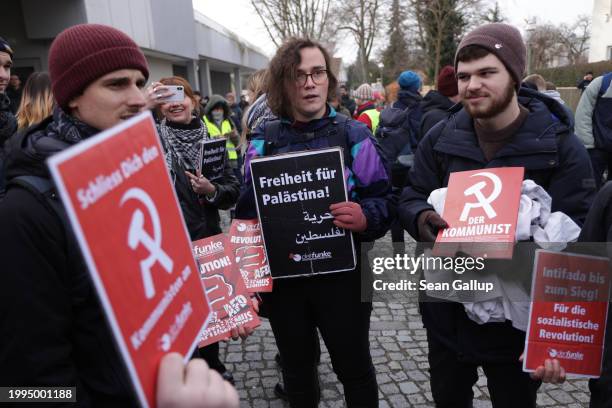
x=5, y=47
x=502, y=40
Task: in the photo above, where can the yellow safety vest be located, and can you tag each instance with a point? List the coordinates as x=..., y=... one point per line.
x=214, y=131
x=374, y=116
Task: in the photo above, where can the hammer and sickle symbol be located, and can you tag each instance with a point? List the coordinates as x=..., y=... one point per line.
x=137, y=235
x=483, y=202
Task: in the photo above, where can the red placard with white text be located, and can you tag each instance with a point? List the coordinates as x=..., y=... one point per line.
x=568, y=313
x=250, y=255
x=225, y=289
x=125, y=215
x=481, y=209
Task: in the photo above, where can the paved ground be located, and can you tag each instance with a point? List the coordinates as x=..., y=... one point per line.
x=399, y=351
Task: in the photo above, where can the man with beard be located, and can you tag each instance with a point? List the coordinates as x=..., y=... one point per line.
x=497, y=125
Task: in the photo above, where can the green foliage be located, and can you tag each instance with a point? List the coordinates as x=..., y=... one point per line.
x=455, y=22
x=395, y=57
x=572, y=74
x=353, y=74
x=493, y=15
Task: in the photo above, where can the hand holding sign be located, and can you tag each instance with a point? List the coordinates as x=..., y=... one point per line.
x=192, y=386
x=428, y=224
x=551, y=372
x=349, y=215
x=120, y=174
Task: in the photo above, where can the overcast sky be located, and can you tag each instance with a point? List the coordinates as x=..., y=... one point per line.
x=239, y=16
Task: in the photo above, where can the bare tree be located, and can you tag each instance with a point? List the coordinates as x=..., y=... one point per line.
x=575, y=38
x=361, y=21
x=544, y=46
x=297, y=18
x=550, y=45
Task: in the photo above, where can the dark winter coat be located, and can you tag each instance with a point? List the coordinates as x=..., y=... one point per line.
x=8, y=126
x=52, y=325
x=598, y=229
x=349, y=104
x=582, y=84
x=412, y=100
x=201, y=214
x=435, y=108
x=15, y=97
x=367, y=179
x=552, y=156
x=236, y=115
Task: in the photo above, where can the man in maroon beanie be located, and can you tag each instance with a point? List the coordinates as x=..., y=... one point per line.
x=53, y=328
x=436, y=103
x=496, y=125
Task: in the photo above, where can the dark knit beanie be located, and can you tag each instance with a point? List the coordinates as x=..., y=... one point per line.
x=447, y=81
x=502, y=40
x=5, y=47
x=83, y=53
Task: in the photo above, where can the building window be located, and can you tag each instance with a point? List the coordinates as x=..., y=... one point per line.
x=179, y=70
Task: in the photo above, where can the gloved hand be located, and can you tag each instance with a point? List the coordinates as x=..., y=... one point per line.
x=428, y=224
x=349, y=215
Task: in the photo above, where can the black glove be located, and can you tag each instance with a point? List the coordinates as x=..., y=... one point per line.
x=428, y=223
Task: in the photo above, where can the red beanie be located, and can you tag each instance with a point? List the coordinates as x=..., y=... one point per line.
x=447, y=82
x=83, y=53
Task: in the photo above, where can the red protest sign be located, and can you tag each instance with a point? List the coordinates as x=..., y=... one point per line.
x=225, y=289
x=568, y=313
x=125, y=215
x=481, y=209
x=250, y=255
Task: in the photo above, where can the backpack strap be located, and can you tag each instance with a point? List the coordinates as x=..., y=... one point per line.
x=335, y=131
x=45, y=192
x=338, y=137
x=271, y=135
x=42, y=188
x=605, y=84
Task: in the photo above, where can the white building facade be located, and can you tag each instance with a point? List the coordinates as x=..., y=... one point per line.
x=601, y=31
x=175, y=39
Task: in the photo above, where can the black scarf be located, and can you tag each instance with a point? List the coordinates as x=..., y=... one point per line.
x=62, y=132
x=8, y=124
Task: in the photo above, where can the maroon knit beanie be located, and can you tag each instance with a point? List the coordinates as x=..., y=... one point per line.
x=83, y=53
x=502, y=40
x=447, y=81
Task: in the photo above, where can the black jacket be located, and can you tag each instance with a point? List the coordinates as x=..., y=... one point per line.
x=8, y=126
x=435, y=108
x=552, y=156
x=52, y=326
x=598, y=229
x=349, y=104
x=201, y=215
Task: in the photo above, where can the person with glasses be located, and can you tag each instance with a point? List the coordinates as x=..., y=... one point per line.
x=300, y=83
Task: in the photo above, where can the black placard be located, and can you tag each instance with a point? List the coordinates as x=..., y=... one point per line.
x=213, y=158
x=293, y=194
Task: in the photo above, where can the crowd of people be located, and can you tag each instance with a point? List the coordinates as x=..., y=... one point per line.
x=483, y=113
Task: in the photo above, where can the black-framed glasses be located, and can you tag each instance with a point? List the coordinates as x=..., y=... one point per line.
x=318, y=77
